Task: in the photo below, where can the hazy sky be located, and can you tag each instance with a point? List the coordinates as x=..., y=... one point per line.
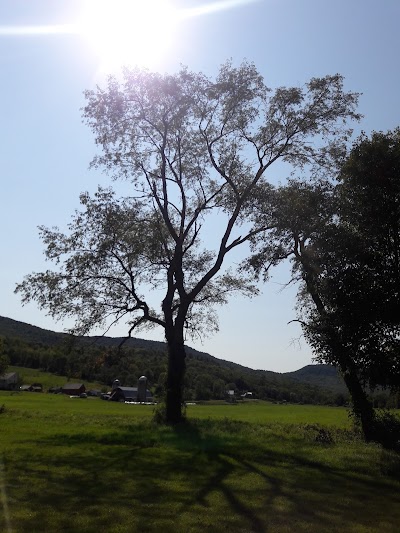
x=45, y=149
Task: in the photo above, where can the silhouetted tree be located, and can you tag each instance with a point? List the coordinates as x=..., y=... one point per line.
x=343, y=238
x=191, y=147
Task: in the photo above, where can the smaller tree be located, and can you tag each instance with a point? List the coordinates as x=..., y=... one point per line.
x=4, y=361
x=344, y=241
x=203, y=387
x=219, y=389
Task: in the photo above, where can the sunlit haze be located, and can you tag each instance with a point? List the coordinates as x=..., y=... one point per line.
x=127, y=32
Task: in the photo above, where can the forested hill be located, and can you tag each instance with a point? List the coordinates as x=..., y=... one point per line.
x=32, y=334
x=207, y=376
x=28, y=333
x=325, y=376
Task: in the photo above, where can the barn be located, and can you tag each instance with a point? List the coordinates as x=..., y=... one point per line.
x=129, y=394
x=35, y=387
x=73, y=389
x=9, y=381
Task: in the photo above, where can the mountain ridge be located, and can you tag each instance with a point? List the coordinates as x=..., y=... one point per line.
x=318, y=376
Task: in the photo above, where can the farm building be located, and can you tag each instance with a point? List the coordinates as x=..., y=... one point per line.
x=131, y=394
x=94, y=392
x=73, y=389
x=55, y=390
x=9, y=381
x=35, y=387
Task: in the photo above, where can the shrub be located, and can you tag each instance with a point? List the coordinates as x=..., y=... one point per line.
x=324, y=436
x=386, y=430
x=159, y=414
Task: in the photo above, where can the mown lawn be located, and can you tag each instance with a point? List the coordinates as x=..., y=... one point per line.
x=260, y=412
x=69, y=465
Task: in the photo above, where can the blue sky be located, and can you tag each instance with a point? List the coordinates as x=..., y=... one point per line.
x=45, y=149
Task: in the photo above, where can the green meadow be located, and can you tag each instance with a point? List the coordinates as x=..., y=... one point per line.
x=69, y=465
x=33, y=375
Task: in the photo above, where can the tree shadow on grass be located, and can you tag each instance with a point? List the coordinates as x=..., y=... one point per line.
x=195, y=477
x=295, y=489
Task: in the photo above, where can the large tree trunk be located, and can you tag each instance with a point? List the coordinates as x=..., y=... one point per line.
x=175, y=376
x=362, y=407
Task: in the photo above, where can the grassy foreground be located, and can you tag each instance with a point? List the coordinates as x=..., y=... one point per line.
x=69, y=465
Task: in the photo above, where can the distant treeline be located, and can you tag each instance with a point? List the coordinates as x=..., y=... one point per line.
x=206, y=378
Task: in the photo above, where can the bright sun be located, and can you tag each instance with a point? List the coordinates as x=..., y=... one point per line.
x=128, y=32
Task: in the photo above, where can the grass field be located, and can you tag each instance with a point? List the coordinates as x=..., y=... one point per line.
x=263, y=412
x=85, y=465
x=33, y=375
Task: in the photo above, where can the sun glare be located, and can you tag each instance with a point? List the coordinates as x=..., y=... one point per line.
x=127, y=32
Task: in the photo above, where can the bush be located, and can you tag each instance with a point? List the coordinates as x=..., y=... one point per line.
x=324, y=436
x=159, y=414
x=386, y=430
x=319, y=434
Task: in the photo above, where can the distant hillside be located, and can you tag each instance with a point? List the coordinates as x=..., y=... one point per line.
x=39, y=348
x=33, y=334
x=325, y=376
x=29, y=333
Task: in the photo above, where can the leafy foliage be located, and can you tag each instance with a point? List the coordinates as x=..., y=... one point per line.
x=344, y=241
x=357, y=264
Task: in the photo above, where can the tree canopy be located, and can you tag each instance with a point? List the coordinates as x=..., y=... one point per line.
x=343, y=238
x=358, y=261
x=196, y=151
